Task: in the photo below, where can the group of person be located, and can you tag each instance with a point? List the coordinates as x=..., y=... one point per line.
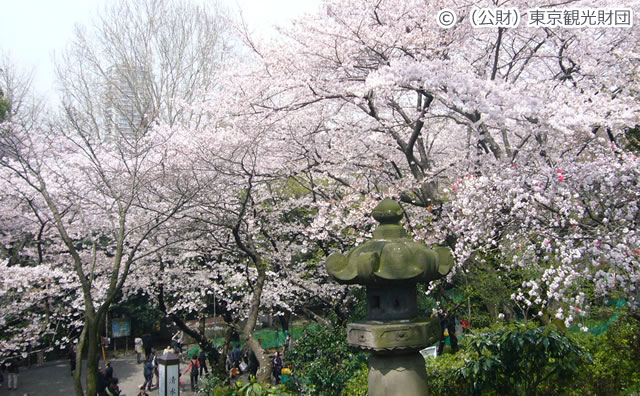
x=239, y=362
x=107, y=382
x=197, y=366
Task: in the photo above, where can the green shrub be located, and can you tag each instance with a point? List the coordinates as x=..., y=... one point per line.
x=615, y=355
x=443, y=375
x=358, y=384
x=253, y=388
x=508, y=359
x=213, y=386
x=322, y=361
x=521, y=359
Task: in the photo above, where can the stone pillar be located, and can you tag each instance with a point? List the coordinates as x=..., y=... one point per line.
x=390, y=265
x=398, y=374
x=169, y=374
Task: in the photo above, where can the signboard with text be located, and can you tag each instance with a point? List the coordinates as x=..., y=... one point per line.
x=120, y=328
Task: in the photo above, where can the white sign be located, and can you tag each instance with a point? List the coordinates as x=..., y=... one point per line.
x=169, y=380
x=432, y=351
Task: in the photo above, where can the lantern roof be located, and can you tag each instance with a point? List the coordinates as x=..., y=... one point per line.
x=391, y=256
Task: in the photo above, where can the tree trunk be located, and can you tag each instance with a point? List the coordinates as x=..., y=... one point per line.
x=204, y=343
x=77, y=374
x=88, y=339
x=203, y=324
x=264, y=372
x=92, y=356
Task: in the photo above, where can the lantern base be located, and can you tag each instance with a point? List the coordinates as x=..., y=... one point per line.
x=397, y=375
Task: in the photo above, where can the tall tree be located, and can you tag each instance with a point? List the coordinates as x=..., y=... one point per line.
x=146, y=62
x=96, y=197
x=106, y=180
x=380, y=100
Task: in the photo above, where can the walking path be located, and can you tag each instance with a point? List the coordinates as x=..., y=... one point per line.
x=54, y=379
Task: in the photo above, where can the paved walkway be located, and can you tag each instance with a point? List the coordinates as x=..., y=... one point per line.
x=54, y=379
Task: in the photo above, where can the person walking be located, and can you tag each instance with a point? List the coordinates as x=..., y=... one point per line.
x=140, y=356
x=277, y=367
x=147, y=344
x=288, y=344
x=253, y=363
x=148, y=374
x=102, y=383
x=236, y=356
x=176, y=342
x=192, y=368
x=202, y=357
x=156, y=372
x=108, y=372
x=12, y=374
x=72, y=358
x=113, y=389
x=142, y=392
x=3, y=373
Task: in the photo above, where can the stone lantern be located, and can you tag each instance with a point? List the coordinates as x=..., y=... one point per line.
x=390, y=265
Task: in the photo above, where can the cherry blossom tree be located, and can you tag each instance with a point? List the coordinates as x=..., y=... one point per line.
x=31, y=315
x=570, y=223
x=100, y=203
x=380, y=100
x=249, y=248
x=104, y=181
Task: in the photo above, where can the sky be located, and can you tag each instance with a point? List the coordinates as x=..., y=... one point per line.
x=32, y=31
